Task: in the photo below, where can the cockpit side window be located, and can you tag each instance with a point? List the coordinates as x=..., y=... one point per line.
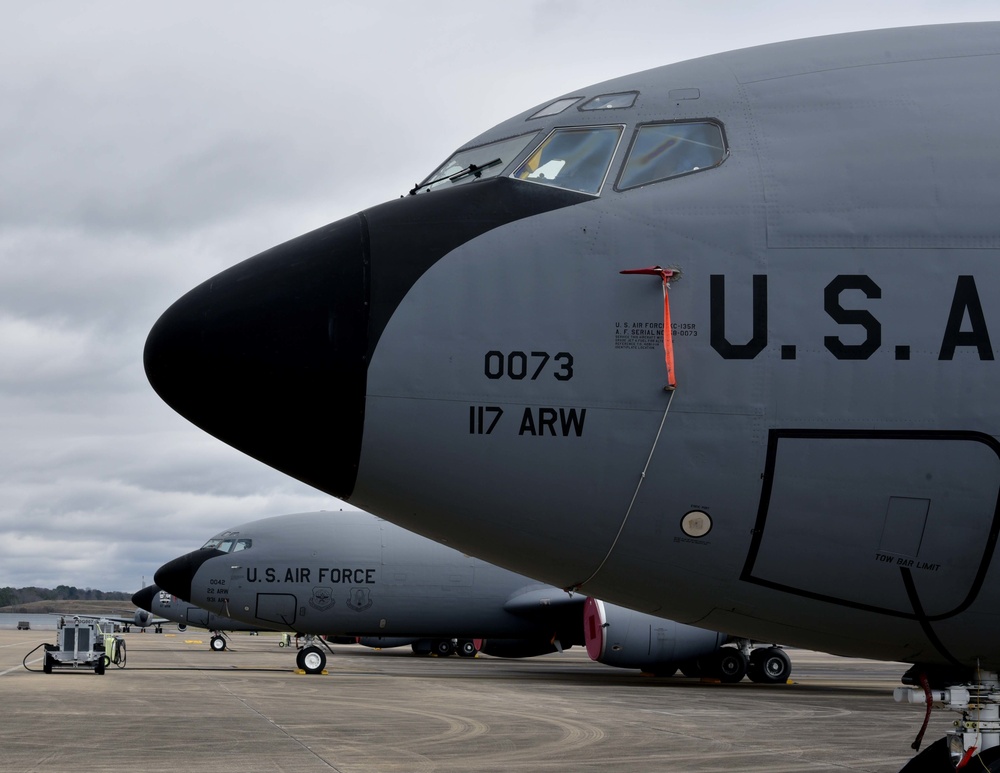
x=664, y=150
x=576, y=159
x=242, y=544
x=475, y=164
x=554, y=108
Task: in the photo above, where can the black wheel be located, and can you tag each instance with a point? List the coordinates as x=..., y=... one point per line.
x=987, y=760
x=932, y=759
x=467, y=649
x=47, y=663
x=769, y=665
x=99, y=666
x=218, y=643
x=731, y=665
x=443, y=647
x=691, y=668
x=312, y=660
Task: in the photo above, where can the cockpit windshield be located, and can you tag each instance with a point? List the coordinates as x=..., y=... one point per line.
x=665, y=150
x=475, y=164
x=577, y=158
x=227, y=544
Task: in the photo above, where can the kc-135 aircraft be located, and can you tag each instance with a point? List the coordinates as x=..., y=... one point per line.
x=154, y=601
x=712, y=341
x=352, y=575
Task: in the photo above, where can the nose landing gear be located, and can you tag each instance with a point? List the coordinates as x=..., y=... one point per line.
x=974, y=744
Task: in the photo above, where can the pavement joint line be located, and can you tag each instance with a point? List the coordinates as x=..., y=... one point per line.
x=18, y=668
x=278, y=727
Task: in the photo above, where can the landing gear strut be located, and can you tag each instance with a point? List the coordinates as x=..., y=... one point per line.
x=974, y=744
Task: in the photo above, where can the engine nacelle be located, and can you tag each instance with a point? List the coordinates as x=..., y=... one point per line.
x=622, y=637
x=142, y=618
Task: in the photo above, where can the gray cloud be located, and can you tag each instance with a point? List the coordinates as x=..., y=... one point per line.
x=144, y=148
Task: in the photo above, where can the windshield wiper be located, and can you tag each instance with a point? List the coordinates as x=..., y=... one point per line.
x=471, y=169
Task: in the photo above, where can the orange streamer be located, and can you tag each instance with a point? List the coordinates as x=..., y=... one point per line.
x=665, y=274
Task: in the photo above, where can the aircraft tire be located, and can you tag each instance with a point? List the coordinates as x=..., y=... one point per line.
x=467, y=649
x=769, y=665
x=312, y=660
x=987, y=760
x=934, y=759
x=443, y=648
x=730, y=665
x=218, y=643
x=937, y=759
x=691, y=669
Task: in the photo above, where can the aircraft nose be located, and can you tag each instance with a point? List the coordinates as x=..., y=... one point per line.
x=273, y=349
x=176, y=575
x=143, y=599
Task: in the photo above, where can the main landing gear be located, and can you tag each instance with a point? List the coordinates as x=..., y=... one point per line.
x=766, y=665
x=974, y=744
x=443, y=648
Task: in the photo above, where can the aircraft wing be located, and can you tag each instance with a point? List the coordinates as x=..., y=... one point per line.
x=147, y=622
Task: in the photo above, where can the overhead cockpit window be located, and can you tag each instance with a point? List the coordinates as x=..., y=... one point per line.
x=611, y=101
x=577, y=159
x=555, y=108
x=662, y=151
x=475, y=164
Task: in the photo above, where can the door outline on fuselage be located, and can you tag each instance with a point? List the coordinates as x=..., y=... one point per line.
x=753, y=572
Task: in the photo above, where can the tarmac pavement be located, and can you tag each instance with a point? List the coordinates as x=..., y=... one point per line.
x=177, y=704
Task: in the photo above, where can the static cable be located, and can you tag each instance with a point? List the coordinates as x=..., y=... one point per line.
x=635, y=495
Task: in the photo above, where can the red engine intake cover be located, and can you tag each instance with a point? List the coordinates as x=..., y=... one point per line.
x=593, y=627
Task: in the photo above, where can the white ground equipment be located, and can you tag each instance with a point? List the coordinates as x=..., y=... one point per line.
x=82, y=644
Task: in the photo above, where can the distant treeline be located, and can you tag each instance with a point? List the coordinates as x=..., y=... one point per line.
x=14, y=596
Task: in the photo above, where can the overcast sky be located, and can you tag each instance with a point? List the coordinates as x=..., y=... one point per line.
x=145, y=147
